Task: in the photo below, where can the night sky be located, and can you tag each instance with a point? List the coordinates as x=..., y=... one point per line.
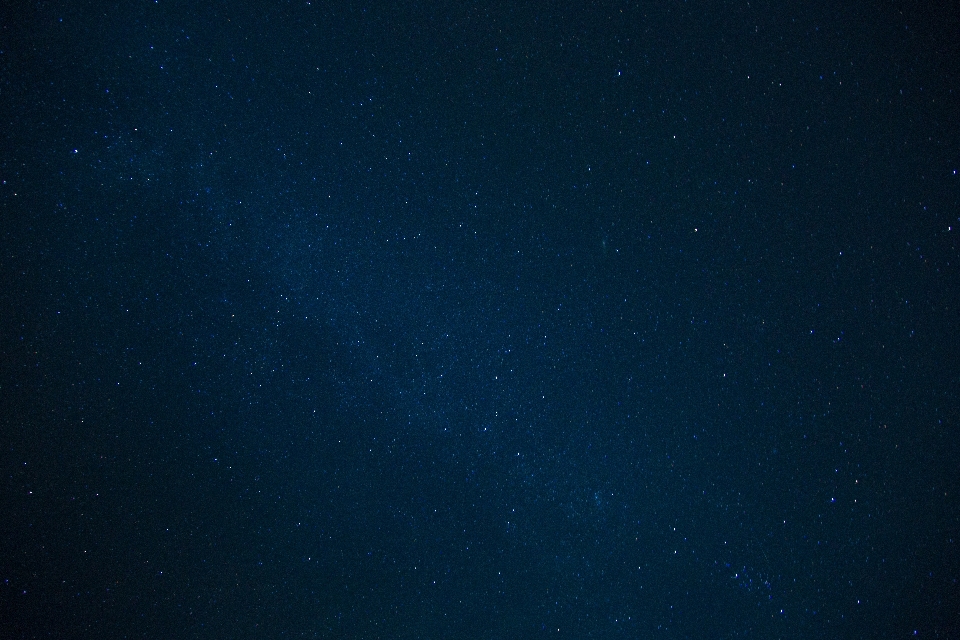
x=461, y=320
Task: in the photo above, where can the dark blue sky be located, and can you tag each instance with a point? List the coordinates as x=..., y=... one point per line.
x=490, y=320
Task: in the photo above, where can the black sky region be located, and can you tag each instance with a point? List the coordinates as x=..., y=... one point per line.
x=479, y=320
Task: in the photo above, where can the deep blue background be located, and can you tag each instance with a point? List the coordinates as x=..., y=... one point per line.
x=480, y=320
